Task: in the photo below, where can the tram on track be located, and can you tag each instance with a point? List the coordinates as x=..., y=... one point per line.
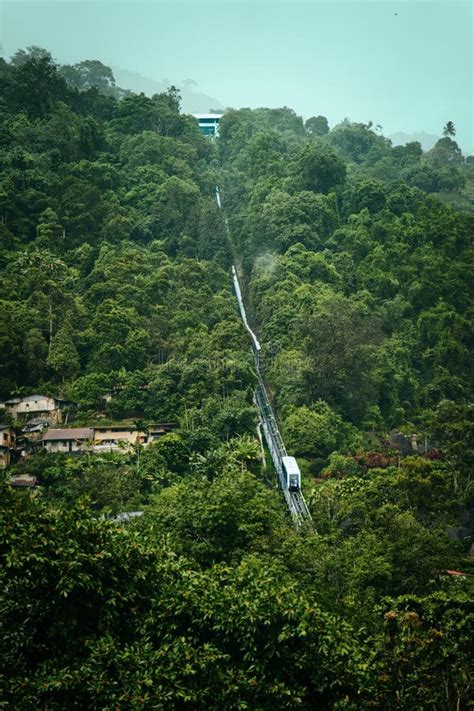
x=286, y=467
x=292, y=472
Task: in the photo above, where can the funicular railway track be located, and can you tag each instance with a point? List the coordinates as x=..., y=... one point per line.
x=287, y=470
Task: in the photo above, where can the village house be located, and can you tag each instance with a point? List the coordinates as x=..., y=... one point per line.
x=23, y=481
x=7, y=445
x=114, y=436
x=73, y=439
x=158, y=430
x=34, y=406
x=102, y=438
x=35, y=426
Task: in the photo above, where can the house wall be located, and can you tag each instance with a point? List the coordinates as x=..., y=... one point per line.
x=45, y=404
x=110, y=435
x=63, y=445
x=4, y=457
x=41, y=406
x=7, y=437
x=7, y=442
x=105, y=439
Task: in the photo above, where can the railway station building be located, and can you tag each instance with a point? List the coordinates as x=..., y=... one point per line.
x=208, y=123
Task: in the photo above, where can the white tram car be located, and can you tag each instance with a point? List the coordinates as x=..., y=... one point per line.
x=292, y=472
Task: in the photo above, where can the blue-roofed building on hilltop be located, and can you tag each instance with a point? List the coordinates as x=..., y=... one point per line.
x=208, y=123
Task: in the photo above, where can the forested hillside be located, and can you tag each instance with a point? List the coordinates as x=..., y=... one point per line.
x=361, y=288
x=356, y=259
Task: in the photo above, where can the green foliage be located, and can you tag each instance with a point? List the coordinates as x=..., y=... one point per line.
x=218, y=520
x=110, y=199
x=87, y=74
x=115, y=617
x=48, y=230
x=315, y=432
x=391, y=256
x=428, y=638
x=63, y=357
x=88, y=391
x=357, y=142
x=34, y=84
x=115, y=288
x=445, y=151
x=173, y=451
x=318, y=168
x=317, y=125
x=367, y=194
x=108, y=481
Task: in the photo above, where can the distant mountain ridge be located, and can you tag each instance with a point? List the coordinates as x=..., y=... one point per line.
x=193, y=100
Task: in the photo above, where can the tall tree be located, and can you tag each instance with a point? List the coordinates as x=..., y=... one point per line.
x=37, y=86
x=63, y=357
x=88, y=74
x=317, y=125
x=449, y=129
x=49, y=230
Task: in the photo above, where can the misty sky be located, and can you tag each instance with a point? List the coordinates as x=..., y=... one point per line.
x=410, y=71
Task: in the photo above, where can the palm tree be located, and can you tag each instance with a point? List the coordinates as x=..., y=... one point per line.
x=245, y=451
x=209, y=464
x=141, y=425
x=449, y=129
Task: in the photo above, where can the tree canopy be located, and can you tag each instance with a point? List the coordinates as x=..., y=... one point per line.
x=115, y=287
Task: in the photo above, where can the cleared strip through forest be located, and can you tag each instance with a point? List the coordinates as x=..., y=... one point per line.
x=294, y=499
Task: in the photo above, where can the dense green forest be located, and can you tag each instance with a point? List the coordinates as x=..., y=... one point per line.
x=115, y=288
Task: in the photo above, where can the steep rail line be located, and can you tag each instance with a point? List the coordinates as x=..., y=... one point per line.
x=294, y=499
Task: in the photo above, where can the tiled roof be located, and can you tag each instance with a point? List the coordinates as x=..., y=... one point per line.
x=33, y=398
x=29, y=398
x=71, y=433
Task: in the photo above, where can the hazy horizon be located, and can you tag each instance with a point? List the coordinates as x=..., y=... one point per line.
x=405, y=65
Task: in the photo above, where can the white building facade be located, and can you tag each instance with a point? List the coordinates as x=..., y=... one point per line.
x=208, y=123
